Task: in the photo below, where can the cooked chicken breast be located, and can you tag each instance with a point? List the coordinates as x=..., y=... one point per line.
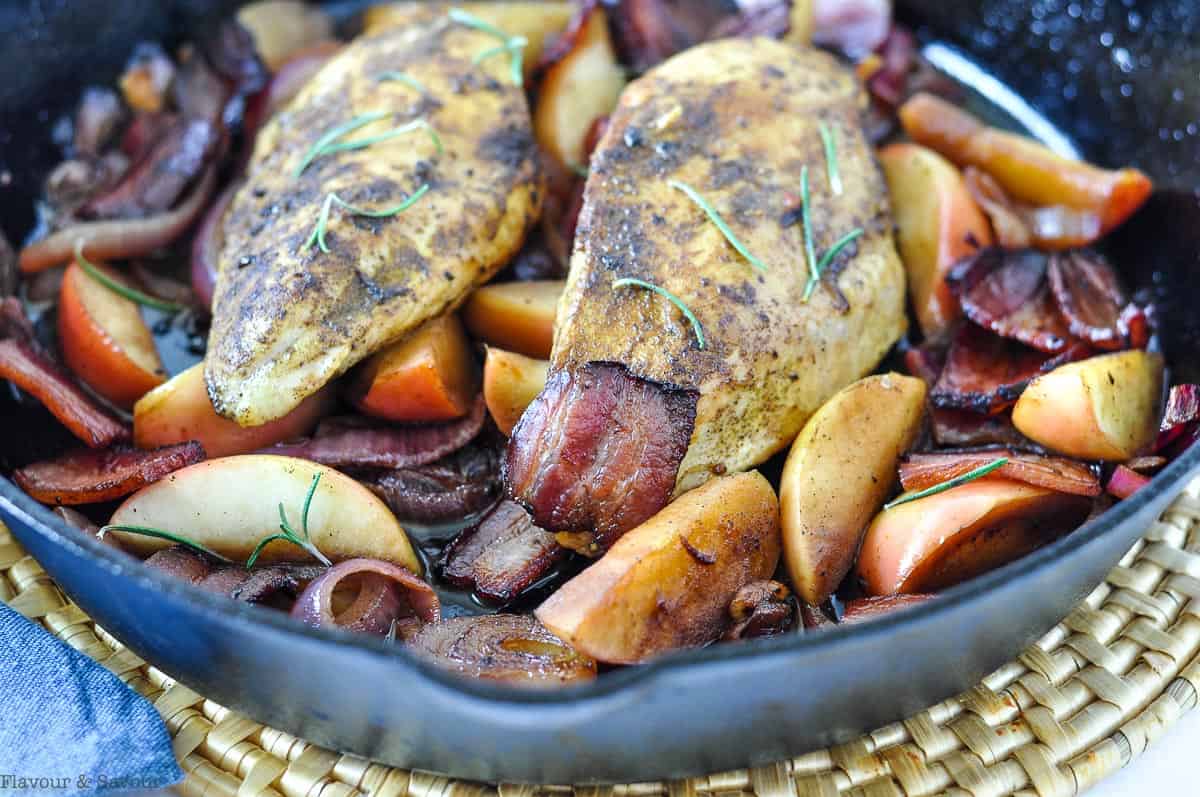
x=289, y=317
x=737, y=121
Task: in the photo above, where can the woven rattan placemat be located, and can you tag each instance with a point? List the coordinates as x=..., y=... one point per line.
x=1083, y=701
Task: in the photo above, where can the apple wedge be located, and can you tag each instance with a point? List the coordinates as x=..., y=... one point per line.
x=179, y=410
x=840, y=469
x=937, y=223
x=518, y=316
x=1102, y=408
x=104, y=339
x=429, y=376
x=511, y=382
x=575, y=91
x=537, y=21
x=228, y=505
x=947, y=538
x=667, y=584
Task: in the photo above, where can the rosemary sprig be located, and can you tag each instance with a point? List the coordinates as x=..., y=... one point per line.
x=289, y=534
x=814, y=276
x=402, y=77
x=161, y=534
x=810, y=254
x=513, y=45
x=132, y=294
x=318, y=233
x=404, y=129
x=675, y=300
x=318, y=148
x=578, y=169
x=957, y=481
x=716, y=219
x=831, y=159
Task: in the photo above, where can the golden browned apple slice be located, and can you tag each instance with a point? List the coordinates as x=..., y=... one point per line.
x=510, y=382
x=230, y=504
x=944, y=539
x=518, y=316
x=667, y=584
x=839, y=471
x=1104, y=408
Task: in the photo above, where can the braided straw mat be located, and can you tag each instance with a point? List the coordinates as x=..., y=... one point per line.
x=1083, y=701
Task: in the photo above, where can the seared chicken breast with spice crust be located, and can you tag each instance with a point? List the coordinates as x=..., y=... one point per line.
x=641, y=404
x=433, y=195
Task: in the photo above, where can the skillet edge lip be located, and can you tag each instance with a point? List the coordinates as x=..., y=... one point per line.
x=1172, y=481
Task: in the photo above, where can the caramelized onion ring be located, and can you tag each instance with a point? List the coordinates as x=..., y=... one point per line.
x=119, y=239
x=205, y=247
x=387, y=593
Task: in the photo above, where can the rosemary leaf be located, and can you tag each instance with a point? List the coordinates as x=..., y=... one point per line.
x=513, y=45
x=381, y=214
x=132, y=294
x=263, y=543
x=810, y=255
x=675, y=300
x=404, y=129
x=958, y=481
x=814, y=277
x=312, y=489
x=578, y=169
x=831, y=159
x=405, y=78
x=318, y=233
x=288, y=533
x=161, y=534
x=318, y=148
x=716, y=219
x=463, y=17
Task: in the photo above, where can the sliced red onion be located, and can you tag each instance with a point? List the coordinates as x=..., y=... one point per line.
x=81, y=522
x=359, y=443
x=119, y=239
x=1091, y=298
x=856, y=27
x=1125, y=482
x=862, y=609
x=183, y=563
x=1008, y=292
x=387, y=593
x=206, y=247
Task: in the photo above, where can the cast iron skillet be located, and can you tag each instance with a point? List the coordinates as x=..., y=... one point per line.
x=702, y=711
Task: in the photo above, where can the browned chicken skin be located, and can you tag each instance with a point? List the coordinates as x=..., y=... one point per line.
x=289, y=317
x=737, y=120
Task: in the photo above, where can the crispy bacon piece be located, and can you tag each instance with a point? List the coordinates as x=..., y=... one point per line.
x=90, y=476
x=926, y=362
x=921, y=471
x=514, y=648
x=355, y=442
x=598, y=450
x=985, y=373
x=154, y=184
x=1008, y=292
x=29, y=367
x=961, y=428
x=269, y=585
x=861, y=609
x=453, y=488
x=501, y=556
x=651, y=31
x=1090, y=296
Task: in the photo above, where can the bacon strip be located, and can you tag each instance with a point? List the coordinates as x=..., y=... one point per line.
x=1090, y=296
x=501, y=556
x=598, y=450
x=90, y=476
x=985, y=373
x=861, y=609
x=922, y=471
x=359, y=443
x=453, y=488
x=1008, y=292
x=29, y=367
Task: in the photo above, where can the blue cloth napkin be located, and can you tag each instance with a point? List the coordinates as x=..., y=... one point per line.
x=70, y=727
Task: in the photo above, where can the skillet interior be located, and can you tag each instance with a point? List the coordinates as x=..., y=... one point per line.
x=674, y=717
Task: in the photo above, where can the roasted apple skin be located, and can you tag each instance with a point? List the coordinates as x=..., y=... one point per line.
x=838, y=473
x=938, y=223
x=944, y=539
x=230, y=504
x=667, y=584
x=511, y=382
x=104, y=340
x=1102, y=408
